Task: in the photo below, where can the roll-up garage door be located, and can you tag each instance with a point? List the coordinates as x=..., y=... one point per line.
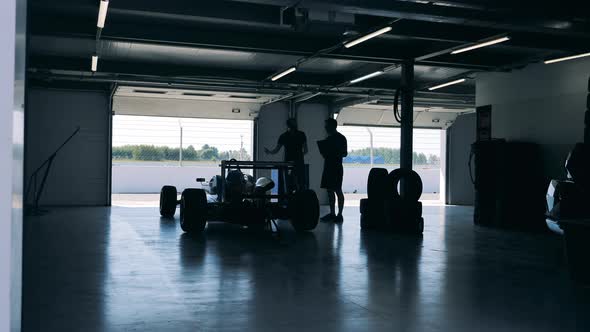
x=380, y=116
x=187, y=103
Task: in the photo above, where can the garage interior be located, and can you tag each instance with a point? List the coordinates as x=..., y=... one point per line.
x=506, y=74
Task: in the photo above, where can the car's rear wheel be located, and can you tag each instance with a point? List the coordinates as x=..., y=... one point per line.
x=304, y=210
x=168, y=201
x=193, y=210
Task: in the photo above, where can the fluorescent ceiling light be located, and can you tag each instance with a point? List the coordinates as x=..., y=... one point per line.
x=367, y=37
x=285, y=73
x=102, y=13
x=567, y=58
x=480, y=45
x=94, y=62
x=447, y=84
x=366, y=77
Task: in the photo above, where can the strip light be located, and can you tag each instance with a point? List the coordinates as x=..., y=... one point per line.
x=283, y=74
x=366, y=77
x=94, y=62
x=480, y=45
x=367, y=37
x=447, y=84
x=102, y=13
x=567, y=58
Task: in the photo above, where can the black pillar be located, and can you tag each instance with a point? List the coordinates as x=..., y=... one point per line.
x=407, y=114
x=587, y=117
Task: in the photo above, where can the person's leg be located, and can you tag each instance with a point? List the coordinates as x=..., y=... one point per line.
x=291, y=181
x=332, y=201
x=340, y=195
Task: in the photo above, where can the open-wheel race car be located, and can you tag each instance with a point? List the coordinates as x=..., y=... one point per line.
x=235, y=197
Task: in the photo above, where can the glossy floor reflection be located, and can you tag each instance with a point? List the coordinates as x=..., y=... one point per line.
x=120, y=269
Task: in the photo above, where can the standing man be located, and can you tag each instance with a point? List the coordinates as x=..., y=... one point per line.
x=295, y=143
x=334, y=149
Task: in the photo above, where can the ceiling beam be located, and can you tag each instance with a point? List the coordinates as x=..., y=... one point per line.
x=529, y=17
x=448, y=100
x=348, y=102
x=369, y=55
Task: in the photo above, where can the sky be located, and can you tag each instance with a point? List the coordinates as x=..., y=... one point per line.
x=230, y=134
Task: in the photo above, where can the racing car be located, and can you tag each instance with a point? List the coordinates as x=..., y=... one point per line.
x=236, y=198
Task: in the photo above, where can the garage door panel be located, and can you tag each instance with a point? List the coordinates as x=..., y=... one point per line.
x=369, y=117
x=183, y=108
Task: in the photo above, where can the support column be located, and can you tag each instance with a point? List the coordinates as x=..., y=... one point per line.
x=407, y=114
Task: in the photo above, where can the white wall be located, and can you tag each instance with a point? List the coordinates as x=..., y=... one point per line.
x=80, y=173
x=271, y=124
x=459, y=139
x=310, y=118
x=442, y=183
x=12, y=84
x=135, y=179
x=355, y=178
x=544, y=104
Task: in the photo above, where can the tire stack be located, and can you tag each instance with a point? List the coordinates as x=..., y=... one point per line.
x=387, y=209
x=373, y=207
x=403, y=212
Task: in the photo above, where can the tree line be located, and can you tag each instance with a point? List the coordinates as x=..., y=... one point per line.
x=392, y=156
x=211, y=153
x=163, y=153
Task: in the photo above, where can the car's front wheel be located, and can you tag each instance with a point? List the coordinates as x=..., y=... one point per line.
x=193, y=210
x=168, y=201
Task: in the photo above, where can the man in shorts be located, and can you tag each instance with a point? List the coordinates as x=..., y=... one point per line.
x=332, y=176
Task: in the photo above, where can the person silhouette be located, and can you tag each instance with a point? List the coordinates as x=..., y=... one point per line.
x=333, y=174
x=295, y=143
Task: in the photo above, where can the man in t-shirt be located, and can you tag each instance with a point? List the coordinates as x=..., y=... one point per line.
x=334, y=149
x=295, y=143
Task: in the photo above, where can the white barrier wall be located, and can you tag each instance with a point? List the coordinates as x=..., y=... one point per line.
x=150, y=179
x=128, y=179
x=355, y=178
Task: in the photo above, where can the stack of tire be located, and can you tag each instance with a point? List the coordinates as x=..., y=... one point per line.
x=568, y=211
x=388, y=209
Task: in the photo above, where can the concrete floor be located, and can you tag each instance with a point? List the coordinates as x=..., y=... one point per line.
x=125, y=269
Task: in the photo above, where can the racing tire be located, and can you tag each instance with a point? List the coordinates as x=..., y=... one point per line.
x=414, y=184
x=420, y=226
x=305, y=210
x=377, y=184
x=193, y=210
x=364, y=207
x=366, y=222
x=168, y=201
